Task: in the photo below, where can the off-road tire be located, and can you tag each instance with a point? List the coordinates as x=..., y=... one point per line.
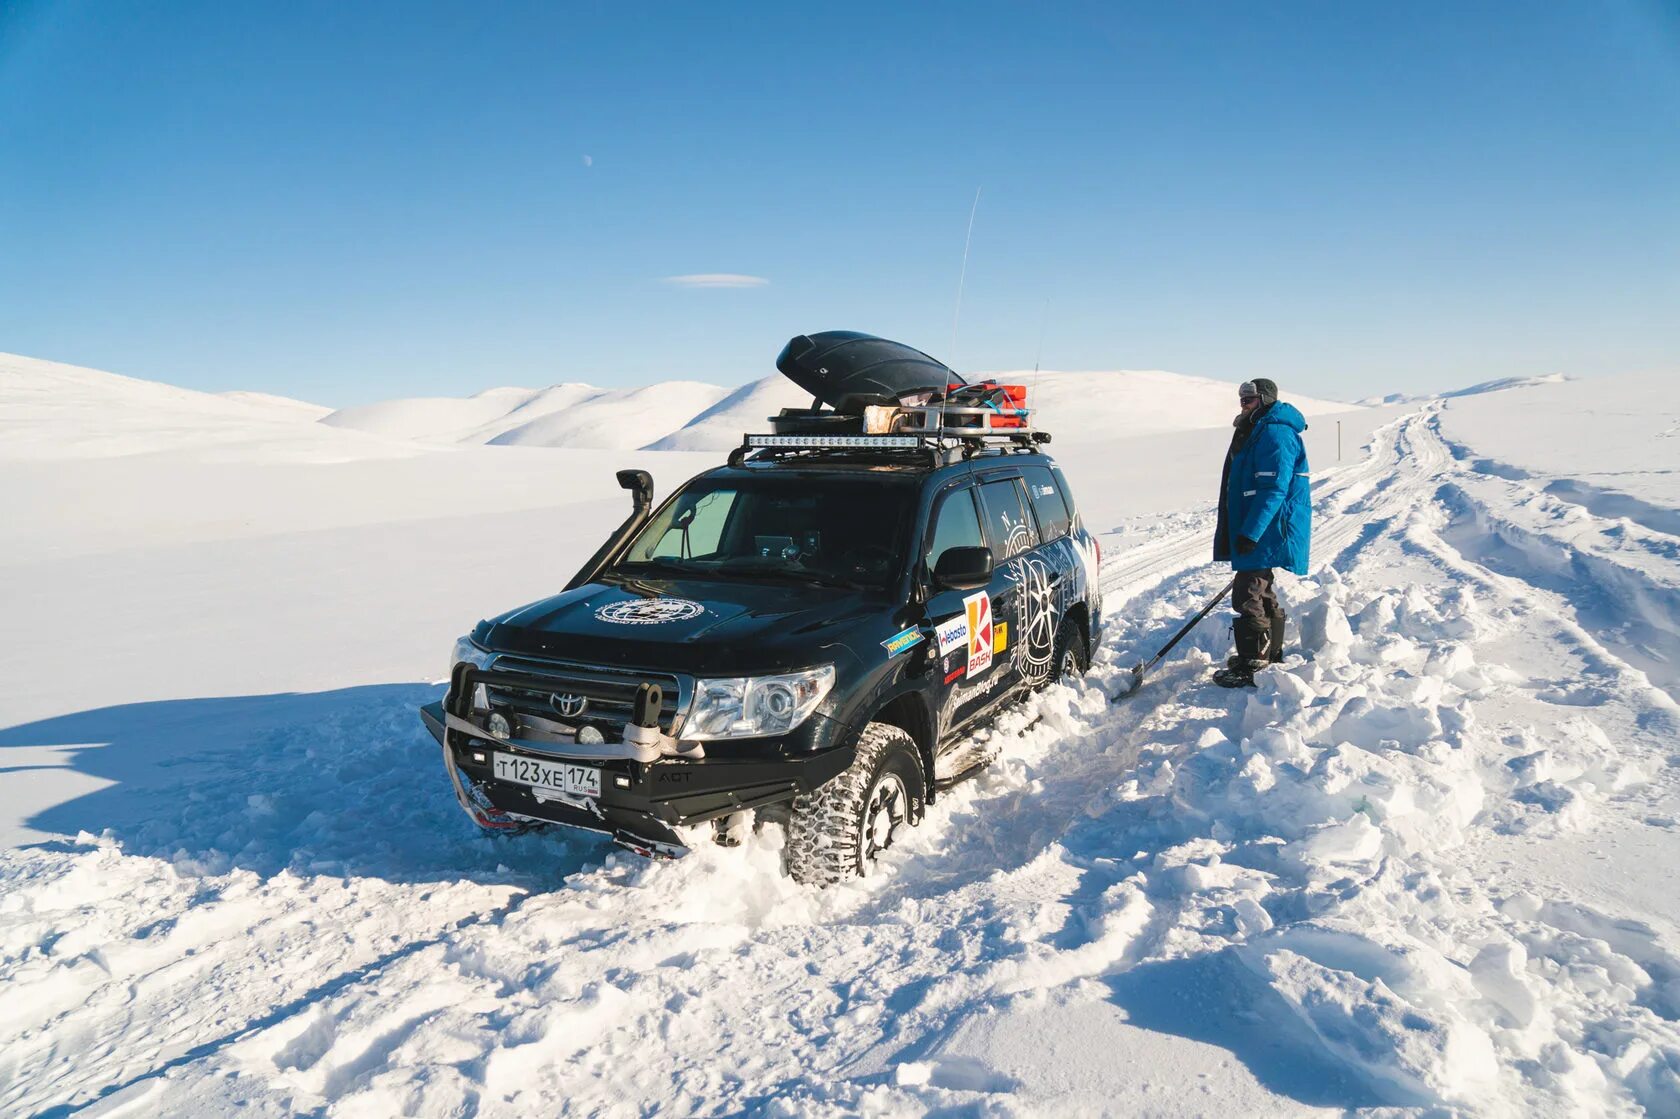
x=828, y=831
x=1070, y=660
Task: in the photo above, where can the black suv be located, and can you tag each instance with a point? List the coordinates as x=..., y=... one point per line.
x=810, y=632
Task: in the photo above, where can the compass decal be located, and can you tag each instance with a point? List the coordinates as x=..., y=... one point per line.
x=649, y=611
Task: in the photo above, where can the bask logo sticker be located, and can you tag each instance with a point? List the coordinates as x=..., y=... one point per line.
x=978, y=608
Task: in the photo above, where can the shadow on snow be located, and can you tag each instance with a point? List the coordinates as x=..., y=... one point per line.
x=343, y=783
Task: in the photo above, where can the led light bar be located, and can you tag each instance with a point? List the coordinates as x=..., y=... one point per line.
x=900, y=441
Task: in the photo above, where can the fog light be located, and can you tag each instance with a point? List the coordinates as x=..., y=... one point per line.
x=620, y=781
x=590, y=736
x=499, y=726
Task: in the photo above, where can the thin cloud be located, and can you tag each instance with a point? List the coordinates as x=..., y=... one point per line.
x=716, y=280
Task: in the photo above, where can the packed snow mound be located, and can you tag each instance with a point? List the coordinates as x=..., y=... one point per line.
x=49, y=410
x=747, y=409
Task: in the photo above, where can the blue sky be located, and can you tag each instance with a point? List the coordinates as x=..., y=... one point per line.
x=348, y=202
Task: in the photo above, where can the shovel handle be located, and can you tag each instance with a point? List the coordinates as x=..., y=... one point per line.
x=1138, y=672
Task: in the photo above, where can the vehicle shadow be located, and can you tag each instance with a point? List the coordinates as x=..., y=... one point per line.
x=1214, y=999
x=344, y=783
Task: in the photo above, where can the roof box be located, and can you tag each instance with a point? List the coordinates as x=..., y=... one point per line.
x=849, y=371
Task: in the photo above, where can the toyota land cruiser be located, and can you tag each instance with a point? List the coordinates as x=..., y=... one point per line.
x=811, y=631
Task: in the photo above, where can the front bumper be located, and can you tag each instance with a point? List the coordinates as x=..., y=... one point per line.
x=641, y=802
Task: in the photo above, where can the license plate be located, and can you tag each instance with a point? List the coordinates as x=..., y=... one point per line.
x=554, y=777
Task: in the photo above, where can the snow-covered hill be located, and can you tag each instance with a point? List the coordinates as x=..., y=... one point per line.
x=285, y=405
x=99, y=413
x=1430, y=865
x=686, y=416
x=620, y=419
x=744, y=410
x=49, y=410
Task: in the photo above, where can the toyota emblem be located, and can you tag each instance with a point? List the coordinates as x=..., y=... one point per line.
x=571, y=706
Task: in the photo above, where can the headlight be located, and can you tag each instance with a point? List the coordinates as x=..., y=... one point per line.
x=749, y=706
x=465, y=650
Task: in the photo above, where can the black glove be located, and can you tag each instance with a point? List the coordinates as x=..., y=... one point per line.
x=1245, y=545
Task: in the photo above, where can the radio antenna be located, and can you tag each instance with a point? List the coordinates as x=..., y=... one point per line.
x=1043, y=321
x=956, y=315
x=962, y=276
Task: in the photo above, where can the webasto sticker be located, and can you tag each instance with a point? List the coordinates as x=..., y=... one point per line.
x=898, y=642
x=648, y=611
x=953, y=634
x=977, y=609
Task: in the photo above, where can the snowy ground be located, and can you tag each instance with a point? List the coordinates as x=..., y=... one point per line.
x=1430, y=864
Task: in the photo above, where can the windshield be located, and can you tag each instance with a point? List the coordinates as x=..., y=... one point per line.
x=826, y=531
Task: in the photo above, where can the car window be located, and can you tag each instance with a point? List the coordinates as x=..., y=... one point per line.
x=1047, y=502
x=693, y=531
x=1009, y=528
x=1067, y=492
x=797, y=529
x=956, y=525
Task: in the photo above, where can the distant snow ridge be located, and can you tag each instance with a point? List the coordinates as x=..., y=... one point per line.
x=1502, y=383
x=688, y=416
x=623, y=419
x=566, y=415
x=280, y=405
x=49, y=410
x=746, y=409
x=1100, y=405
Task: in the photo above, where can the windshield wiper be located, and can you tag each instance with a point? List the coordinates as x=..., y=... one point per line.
x=792, y=574
x=657, y=563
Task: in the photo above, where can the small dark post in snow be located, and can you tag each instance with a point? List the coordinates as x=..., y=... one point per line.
x=1338, y=440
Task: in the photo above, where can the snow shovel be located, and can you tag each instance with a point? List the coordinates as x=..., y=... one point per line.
x=1141, y=667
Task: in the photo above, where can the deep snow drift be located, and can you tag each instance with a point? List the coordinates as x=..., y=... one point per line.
x=1431, y=862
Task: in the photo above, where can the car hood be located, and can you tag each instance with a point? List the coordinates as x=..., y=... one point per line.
x=692, y=626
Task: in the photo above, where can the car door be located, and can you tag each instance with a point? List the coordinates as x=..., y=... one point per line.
x=1017, y=581
x=1057, y=576
x=955, y=615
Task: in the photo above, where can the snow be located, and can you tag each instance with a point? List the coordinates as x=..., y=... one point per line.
x=1427, y=866
x=51, y=411
x=744, y=410
x=690, y=416
x=300, y=409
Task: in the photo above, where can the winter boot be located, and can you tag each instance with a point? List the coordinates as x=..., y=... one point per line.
x=1253, y=642
x=1274, y=652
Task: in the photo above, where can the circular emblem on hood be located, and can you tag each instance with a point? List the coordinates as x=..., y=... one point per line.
x=649, y=611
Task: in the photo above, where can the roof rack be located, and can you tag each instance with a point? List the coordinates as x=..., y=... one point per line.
x=936, y=447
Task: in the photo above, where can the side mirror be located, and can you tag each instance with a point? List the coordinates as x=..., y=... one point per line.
x=963, y=569
x=640, y=483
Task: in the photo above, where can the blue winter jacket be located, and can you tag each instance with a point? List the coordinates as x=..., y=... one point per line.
x=1266, y=496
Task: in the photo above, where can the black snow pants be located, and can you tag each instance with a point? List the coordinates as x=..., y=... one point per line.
x=1254, y=597
x=1258, y=629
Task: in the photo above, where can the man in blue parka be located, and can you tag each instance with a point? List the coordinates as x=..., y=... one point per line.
x=1265, y=522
